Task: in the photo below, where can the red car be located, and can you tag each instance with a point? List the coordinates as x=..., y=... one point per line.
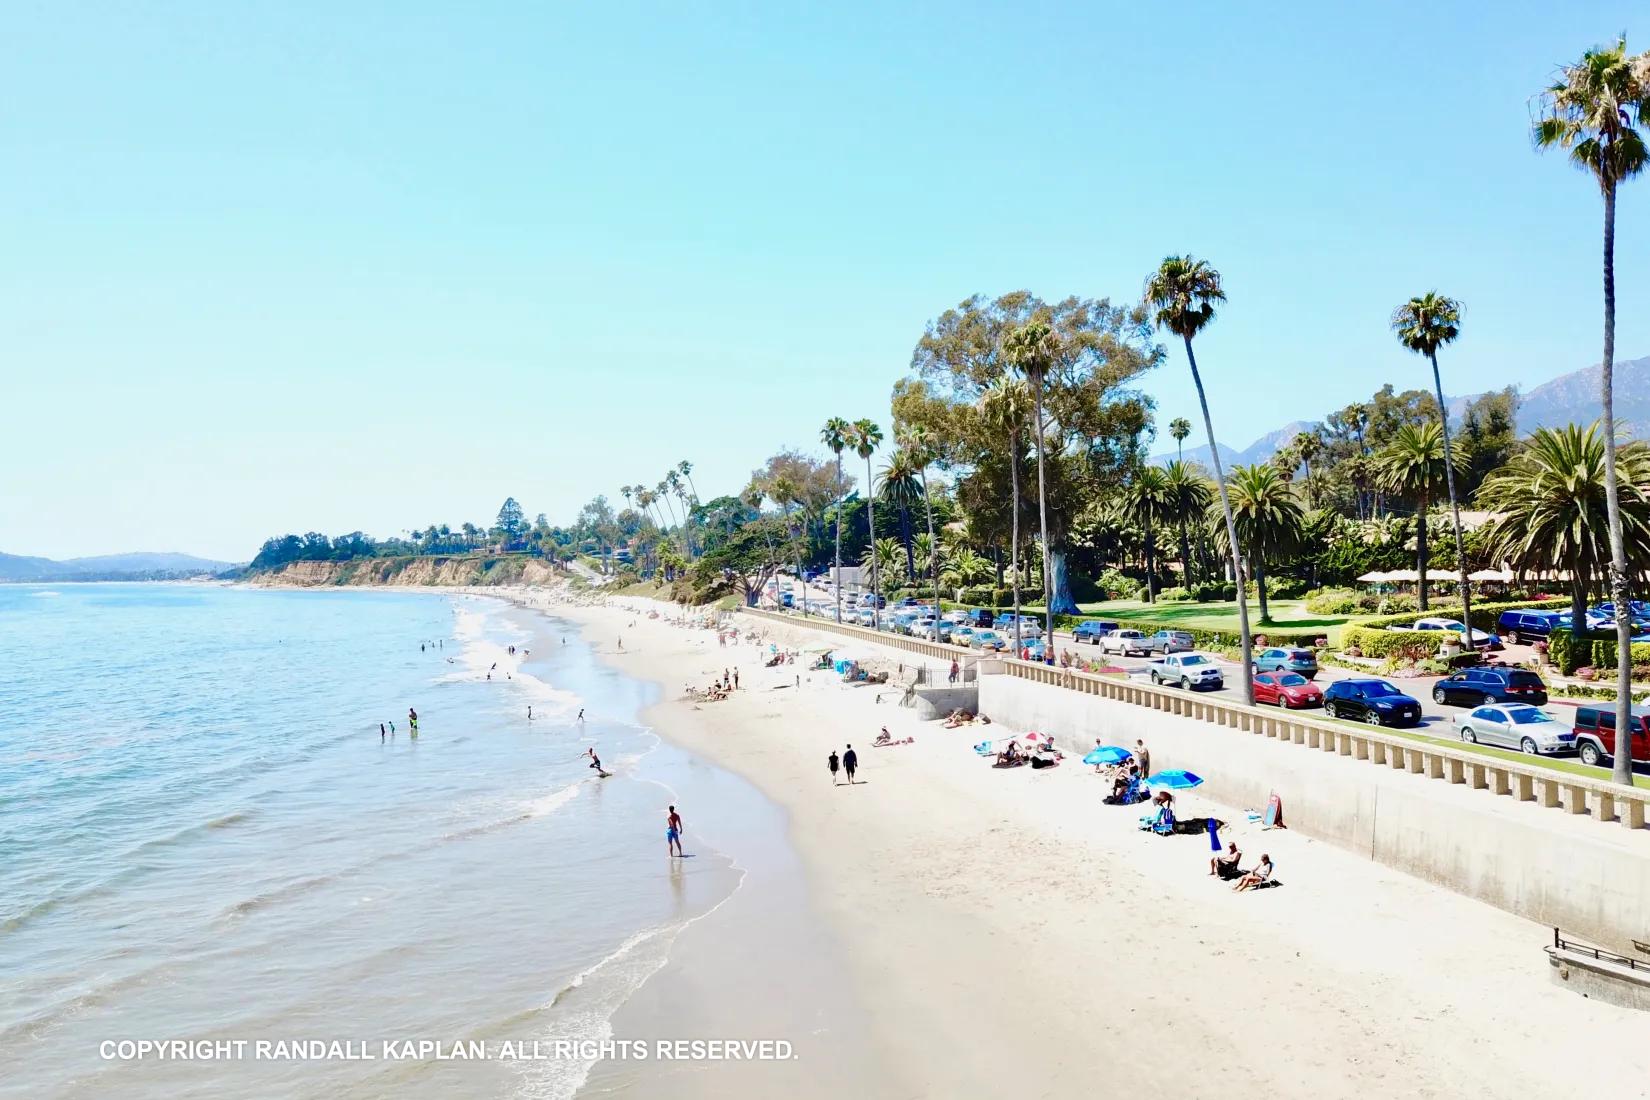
x=1287, y=689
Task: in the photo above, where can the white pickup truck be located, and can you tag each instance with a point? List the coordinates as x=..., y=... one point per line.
x=1192, y=671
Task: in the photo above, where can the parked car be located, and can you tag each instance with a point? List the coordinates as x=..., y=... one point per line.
x=1474, y=687
x=956, y=615
x=1287, y=689
x=1288, y=659
x=1480, y=639
x=1374, y=701
x=1526, y=626
x=980, y=617
x=1126, y=642
x=988, y=639
x=1517, y=726
x=1171, y=641
x=1192, y=671
x=944, y=630
x=1092, y=630
x=1595, y=731
x=1029, y=627
x=961, y=634
x=922, y=628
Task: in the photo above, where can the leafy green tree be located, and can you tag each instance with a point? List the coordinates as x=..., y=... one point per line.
x=1593, y=110
x=1268, y=518
x=1004, y=407
x=1423, y=325
x=902, y=490
x=1187, y=497
x=1554, y=511
x=836, y=435
x=511, y=522
x=1146, y=502
x=1033, y=349
x=1184, y=291
x=1414, y=467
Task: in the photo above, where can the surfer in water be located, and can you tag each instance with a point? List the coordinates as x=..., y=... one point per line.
x=595, y=761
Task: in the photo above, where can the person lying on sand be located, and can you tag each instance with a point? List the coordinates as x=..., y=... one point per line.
x=1260, y=875
x=1226, y=866
x=1010, y=755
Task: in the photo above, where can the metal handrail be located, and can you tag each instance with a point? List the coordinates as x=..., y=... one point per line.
x=1598, y=953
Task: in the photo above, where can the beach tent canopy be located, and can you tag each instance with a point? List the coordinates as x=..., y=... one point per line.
x=1502, y=575
x=1409, y=576
x=1442, y=575
x=1375, y=577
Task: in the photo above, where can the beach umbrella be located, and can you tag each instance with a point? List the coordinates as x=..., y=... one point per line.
x=1375, y=577
x=1107, y=754
x=1175, y=779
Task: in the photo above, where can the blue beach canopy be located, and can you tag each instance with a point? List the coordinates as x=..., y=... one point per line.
x=1107, y=754
x=1175, y=780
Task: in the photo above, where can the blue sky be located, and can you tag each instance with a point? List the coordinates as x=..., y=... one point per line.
x=377, y=266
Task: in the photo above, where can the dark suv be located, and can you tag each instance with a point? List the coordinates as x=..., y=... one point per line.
x=1092, y=630
x=1596, y=733
x=1374, y=701
x=1526, y=626
x=1474, y=687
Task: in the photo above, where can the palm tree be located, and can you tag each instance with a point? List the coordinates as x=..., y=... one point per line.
x=685, y=468
x=964, y=568
x=1415, y=466
x=1033, y=349
x=787, y=493
x=836, y=434
x=1145, y=501
x=1184, y=291
x=1268, y=518
x=1186, y=502
x=1180, y=428
x=661, y=491
x=882, y=558
x=900, y=488
x=1593, y=109
x=1554, y=511
x=1423, y=325
x=1005, y=406
x=866, y=438
x=920, y=443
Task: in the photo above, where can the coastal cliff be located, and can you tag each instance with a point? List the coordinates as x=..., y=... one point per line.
x=410, y=572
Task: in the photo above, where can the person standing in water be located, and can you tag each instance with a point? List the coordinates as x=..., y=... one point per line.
x=392, y=727
x=581, y=714
x=412, y=722
x=673, y=833
x=380, y=733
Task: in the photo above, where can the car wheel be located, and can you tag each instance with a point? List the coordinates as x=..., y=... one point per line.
x=1590, y=754
x=1439, y=697
x=1283, y=701
x=1185, y=684
x=1468, y=736
x=1527, y=745
x=1155, y=680
x=1373, y=717
x=1329, y=710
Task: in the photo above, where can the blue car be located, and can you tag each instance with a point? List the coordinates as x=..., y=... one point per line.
x=1092, y=630
x=1374, y=701
x=1288, y=659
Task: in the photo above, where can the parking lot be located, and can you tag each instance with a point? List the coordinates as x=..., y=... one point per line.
x=1437, y=720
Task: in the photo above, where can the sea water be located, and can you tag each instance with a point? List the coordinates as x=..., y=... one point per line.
x=203, y=836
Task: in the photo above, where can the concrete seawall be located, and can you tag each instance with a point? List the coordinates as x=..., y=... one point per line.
x=1548, y=867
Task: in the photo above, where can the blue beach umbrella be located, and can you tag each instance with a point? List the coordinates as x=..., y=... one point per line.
x=1175, y=780
x=1107, y=754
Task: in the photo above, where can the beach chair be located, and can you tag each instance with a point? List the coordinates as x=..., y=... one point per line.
x=984, y=749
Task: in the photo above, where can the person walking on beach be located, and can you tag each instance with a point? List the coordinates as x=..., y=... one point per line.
x=831, y=762
x=1143, y=757
x=673, y=833
x=850, y=761
x=736, y=679
x=954, y=671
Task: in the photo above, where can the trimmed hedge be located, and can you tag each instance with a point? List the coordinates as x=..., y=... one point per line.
x=1569, y=653
x=1374, y=638
x=1203, y=638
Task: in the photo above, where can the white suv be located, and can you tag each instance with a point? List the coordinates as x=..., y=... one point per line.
x=1190, y=670
x=1126, y=642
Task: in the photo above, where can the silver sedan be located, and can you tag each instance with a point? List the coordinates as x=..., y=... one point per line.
x=1517, y=726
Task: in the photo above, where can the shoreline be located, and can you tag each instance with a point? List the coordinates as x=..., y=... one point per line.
x=983, y=914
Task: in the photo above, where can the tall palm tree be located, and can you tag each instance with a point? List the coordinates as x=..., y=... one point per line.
x=901, y=489
x=1268, y=518
x=1187, y=499
x=1423, y=325
x=1594, y=110
x=787, y=493
x=661, y=492
x=1034, y=349
x=836, y=434
x=1145, y=500
x=920, y=443
x=866, y=438
x=1184, y=291
x=685, y=468
x=1005, y=406
x=1180, y=428
x=1554, y=512
x=1415, y=466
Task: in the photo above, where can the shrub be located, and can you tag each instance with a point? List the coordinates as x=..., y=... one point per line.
x=1116, y=585
x=1175, y=595
x=1207, y=591
x=1285, y=588
x=1571, y=654
x=1335, y=601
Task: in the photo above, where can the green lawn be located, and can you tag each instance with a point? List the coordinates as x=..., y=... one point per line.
x=1286, y=615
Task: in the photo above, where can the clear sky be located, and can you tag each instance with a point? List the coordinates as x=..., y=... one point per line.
x=334, y=266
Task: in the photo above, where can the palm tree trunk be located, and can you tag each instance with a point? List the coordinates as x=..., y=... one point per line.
x=933, y=548
x=1185, y=554
x=905, y=534
x=1454, y=506
x=1245, y=642
x=1151, y=563
x=1622, y=763
x=1014, y=546
x=871, y=526
x=1260, y=588
x=1421, y=551
x=1042, y=521
x=838, y=578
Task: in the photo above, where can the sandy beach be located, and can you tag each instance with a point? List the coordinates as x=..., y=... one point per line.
x=1008, y=934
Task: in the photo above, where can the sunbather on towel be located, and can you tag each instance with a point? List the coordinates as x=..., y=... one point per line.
x=1261, y=874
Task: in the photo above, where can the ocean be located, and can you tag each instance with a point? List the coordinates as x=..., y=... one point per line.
x=203, y=837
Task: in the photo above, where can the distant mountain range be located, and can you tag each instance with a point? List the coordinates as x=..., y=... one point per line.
x=1569, y=398
x=109, y=567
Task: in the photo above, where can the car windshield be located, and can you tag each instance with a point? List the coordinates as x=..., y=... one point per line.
x=1531, y=717
x=1380, y=688
x=1293, y=680
x=1194, y=659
